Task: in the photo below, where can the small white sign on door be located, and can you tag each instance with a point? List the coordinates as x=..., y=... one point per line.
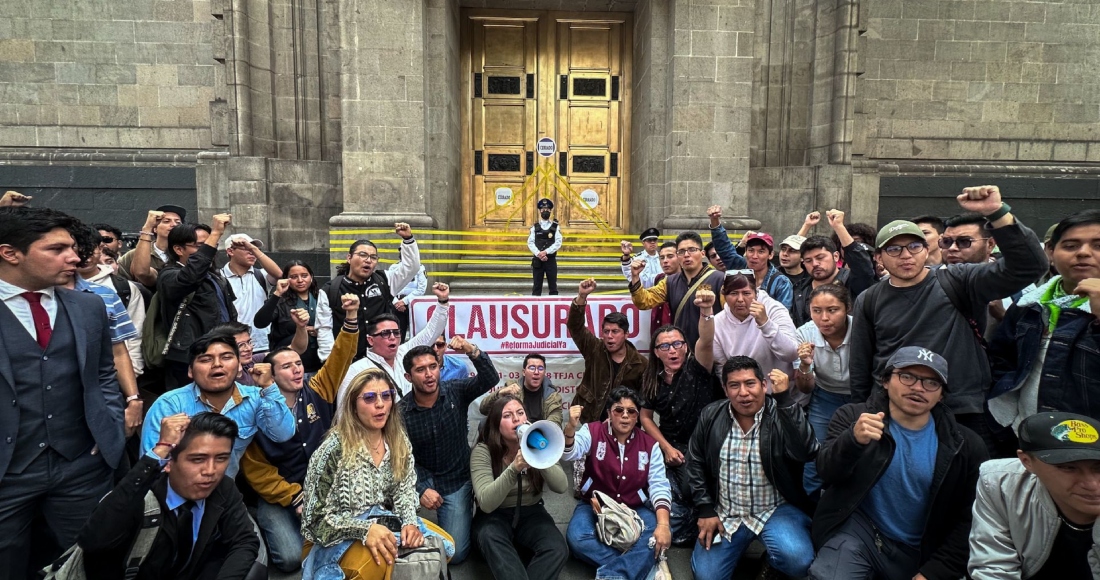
x=504, y=195
x=591, y=198
x=547, y=147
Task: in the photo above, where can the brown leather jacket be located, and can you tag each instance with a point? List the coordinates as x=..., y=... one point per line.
x=597, y=383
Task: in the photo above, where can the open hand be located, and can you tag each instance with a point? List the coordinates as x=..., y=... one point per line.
x=382, y=544
x=411, y=537
x=709, y=529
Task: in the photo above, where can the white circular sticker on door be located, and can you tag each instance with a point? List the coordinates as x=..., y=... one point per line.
x=591, y=198
x=547, y=147
x=504, y=195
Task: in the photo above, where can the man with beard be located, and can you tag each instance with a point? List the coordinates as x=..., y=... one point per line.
x=649, y=255
x=609, y=360
x=250, y=283
x=375, y=288
x=435, y=419
x=965, y=240
x=544, y=242
x=677, y=290
x=899, y=478
x=277, y=470
x=937, y=310
x=214, y=363
x=63, y=415
x=677, y=385
x=150, y=256
x=539, y=397
x=192, y=291
x=821, y=258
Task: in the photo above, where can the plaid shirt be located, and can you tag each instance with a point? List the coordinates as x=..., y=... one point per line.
x=745, y=496
x=438, y=433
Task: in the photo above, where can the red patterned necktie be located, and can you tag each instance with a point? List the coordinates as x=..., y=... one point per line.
x=41, y=318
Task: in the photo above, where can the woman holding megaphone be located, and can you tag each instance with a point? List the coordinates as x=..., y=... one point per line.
x=508, y=491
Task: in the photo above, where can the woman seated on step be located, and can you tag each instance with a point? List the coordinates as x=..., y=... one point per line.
x=360, y=490
x=627, y=465
x=508, y=491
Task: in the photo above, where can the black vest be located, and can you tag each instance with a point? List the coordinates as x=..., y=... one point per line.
x=375, y=298
x=48, y=390
x=545, y=238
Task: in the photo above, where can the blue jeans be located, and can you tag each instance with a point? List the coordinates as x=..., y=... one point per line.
x=786, y=535
x=455, y=517
x=823, y=405
x=586, y=546
x=281, y=528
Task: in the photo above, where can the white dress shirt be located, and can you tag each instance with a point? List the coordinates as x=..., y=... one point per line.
x=10, y=295
x=250, y=298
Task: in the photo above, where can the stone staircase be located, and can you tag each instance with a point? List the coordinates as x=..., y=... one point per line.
x=472, y=277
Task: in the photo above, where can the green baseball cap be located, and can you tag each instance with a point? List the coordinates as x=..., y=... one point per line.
x=897, y=228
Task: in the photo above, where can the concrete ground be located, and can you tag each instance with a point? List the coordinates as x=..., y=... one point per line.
x=561, y=507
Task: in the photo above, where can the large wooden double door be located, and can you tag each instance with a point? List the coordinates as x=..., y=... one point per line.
x=531, y=75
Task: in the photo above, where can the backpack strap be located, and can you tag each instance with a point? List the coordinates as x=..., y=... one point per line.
x=683, y=301
x=122, y=288
x=261, y=277
x=150, y=525
x=957, y=297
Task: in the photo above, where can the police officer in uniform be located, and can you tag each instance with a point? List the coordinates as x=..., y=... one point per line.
x=544, y=242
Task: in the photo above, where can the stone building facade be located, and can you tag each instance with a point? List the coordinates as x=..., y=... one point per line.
x=300, y=114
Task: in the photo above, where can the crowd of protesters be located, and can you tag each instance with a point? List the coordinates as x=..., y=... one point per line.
x=914, y=402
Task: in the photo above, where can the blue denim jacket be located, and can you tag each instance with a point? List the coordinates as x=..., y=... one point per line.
x=1072, y=364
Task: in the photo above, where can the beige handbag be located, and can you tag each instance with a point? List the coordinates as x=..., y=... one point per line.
x=617, y=525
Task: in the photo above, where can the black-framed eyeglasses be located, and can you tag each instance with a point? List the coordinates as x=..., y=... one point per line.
x=676, y=344
x=389, y=333
x=929, y=384
x=964, y=242
x=688, y=250
x=913, y=247
x=107, y=239
x=536, y=368
x=372, y=396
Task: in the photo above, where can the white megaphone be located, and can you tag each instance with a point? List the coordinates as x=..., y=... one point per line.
x=542, y=443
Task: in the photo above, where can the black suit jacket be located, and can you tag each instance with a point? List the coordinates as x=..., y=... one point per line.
x=103, y=406
x=227, y=541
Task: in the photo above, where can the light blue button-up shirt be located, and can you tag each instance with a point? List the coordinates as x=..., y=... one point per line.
x=252, y=408
x=174, y=500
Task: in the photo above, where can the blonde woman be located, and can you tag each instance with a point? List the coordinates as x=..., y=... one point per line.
x=360, y=490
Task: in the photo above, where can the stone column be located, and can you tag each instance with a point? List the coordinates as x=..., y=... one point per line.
x=709, y=107
x=382, y=111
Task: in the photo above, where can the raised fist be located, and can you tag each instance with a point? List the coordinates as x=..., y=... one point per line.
x=281, y=287
x=636, y=268
x=984, y=199
x=442, y=291
x=626, y=247
x=704, y=298
x=806, y=353
x=403, y=229
x=758, y=312
x=780, y=381
x=586, y=287
x=14, y=199
x=221, y=221
x=350, y=303
x=300, y=316
x=813, y=218
x=869, y=427
x=836, y=217
x=714, y=212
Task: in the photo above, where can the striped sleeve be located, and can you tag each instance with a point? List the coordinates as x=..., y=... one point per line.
x=122, y=327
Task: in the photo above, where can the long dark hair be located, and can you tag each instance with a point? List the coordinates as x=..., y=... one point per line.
x=342, y=269
x=651, y=379
x=490, y=435
x=291, y=296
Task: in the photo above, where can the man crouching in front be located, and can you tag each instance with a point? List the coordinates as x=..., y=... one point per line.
x=204, y=531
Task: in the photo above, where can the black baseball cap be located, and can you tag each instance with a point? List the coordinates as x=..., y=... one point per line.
x=174, y=209
x=651, y=233
x=1057, y=438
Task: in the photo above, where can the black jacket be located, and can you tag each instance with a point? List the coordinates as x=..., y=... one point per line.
x=226, y=547
x=787, y=442
x=175, y=282
x=849, y=470
x=858, y=276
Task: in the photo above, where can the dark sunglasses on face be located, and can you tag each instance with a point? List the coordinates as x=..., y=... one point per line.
x=913, y=247
x=677, y=344
x=372, y=396
x=964, y=242
x=107, y=239
x=624, y=411
x=391, y=333
x=909, y=380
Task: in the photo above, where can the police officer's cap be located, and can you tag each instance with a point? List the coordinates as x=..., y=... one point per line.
x=545, y=203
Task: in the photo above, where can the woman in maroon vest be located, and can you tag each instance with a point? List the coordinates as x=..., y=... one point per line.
x=627, y=465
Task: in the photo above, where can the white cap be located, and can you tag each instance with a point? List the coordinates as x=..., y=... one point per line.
x=242, y=238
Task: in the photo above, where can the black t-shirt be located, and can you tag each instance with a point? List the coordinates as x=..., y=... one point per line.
x=796, y=279
x=1069, y=558
x=680, y=403
x=532, y=404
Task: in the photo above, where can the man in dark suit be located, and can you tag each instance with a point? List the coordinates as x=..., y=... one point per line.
x=62, y=435
x=204, y=531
